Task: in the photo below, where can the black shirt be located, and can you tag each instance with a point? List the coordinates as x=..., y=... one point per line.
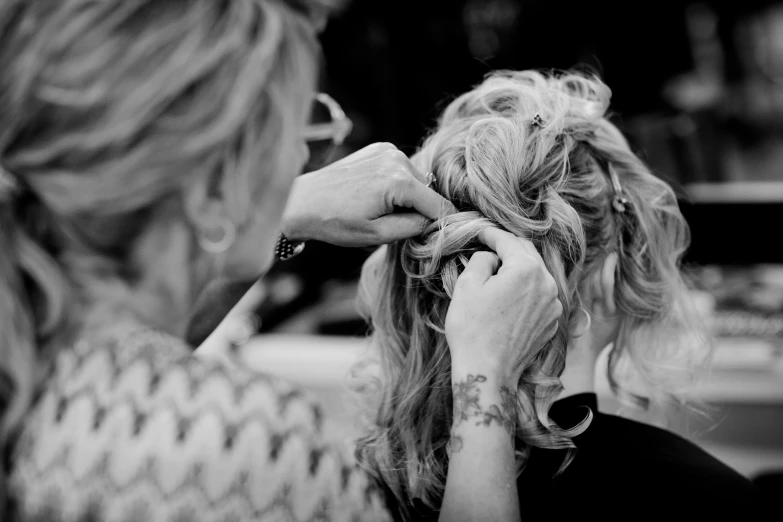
x=626, y=470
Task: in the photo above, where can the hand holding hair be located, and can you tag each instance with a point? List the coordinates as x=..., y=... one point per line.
x=372, y=197
x=504, y=309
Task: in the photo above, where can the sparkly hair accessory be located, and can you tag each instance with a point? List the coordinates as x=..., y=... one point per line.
x=431, y=180
x=538, y=121
x=619, y=203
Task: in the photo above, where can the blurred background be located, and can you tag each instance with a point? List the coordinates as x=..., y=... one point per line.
x=698, y=89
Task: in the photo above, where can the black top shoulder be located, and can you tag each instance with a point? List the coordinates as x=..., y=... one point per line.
x=621, y=463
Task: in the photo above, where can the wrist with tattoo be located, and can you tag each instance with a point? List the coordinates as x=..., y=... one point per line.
x=482, y=402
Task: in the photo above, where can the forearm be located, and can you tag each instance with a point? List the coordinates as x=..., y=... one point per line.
x=481, y=481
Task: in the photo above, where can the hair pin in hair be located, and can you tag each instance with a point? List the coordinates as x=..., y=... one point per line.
x=431, y=180
x=620, y=203
x=538, y=121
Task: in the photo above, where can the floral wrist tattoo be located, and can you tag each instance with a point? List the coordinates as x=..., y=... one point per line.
x=468, y=408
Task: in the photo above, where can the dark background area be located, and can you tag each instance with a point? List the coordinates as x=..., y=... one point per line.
x=394, y=63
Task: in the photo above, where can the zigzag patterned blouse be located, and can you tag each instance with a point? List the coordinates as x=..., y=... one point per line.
x=143, y=431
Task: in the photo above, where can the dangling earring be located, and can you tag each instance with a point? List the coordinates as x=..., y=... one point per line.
x=228, y=234
x=587, y=328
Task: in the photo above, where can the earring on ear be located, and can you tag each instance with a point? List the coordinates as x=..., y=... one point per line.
x=228, y=234
x=589, y=324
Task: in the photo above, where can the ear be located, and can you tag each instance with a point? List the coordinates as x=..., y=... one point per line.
x=604, y=294
x=202, y=208
x=597, y=293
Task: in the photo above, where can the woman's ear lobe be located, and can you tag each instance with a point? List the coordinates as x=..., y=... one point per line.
x=201, y=209
x=606, y=283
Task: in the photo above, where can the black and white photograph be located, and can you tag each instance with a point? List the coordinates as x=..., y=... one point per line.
x=371, y=260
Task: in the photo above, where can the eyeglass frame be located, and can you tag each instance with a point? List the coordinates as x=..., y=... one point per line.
x=336, y=130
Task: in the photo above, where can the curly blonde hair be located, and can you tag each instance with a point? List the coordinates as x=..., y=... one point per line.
x=530, y=153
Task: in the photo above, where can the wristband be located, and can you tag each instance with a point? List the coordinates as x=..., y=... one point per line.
x=285, y=249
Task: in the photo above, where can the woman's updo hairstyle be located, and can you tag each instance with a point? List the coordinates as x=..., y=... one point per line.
x=532, y=154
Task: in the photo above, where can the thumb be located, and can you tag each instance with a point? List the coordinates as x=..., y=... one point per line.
x=403, y=225
x=418, y=196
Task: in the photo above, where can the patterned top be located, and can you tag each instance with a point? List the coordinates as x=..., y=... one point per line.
x=141, y=430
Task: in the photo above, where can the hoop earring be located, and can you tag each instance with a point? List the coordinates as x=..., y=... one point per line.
x=589, y=324
x=228, y=236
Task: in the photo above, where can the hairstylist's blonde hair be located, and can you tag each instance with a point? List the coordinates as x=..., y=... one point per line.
x=546, y=179
x=106, y=109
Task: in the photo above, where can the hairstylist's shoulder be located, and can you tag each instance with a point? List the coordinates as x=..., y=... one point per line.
x=252, y=444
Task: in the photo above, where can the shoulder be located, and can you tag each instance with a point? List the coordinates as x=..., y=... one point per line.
x=670, y=461
x=144, y=415
x=655, y=442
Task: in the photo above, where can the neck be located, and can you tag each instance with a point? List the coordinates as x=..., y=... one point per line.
x=579, y=374
x=158, y=297
x=112, y=305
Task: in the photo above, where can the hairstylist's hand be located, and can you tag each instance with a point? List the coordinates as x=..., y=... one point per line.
x=504, y=309
x=371, y=197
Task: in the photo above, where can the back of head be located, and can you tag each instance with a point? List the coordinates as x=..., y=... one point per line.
x=109, y=108
x=535, y=155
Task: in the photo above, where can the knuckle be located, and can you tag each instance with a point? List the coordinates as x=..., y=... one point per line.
x=385, y=146
x=465, y=279
x=399, y=178
x=398, y=154
x=393, y=154
x=482, y=255
x=396, y=157
x=549, y=283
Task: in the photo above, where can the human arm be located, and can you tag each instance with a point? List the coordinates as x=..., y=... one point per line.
x=371, y=197
x=503, y=311
x=481, y=480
